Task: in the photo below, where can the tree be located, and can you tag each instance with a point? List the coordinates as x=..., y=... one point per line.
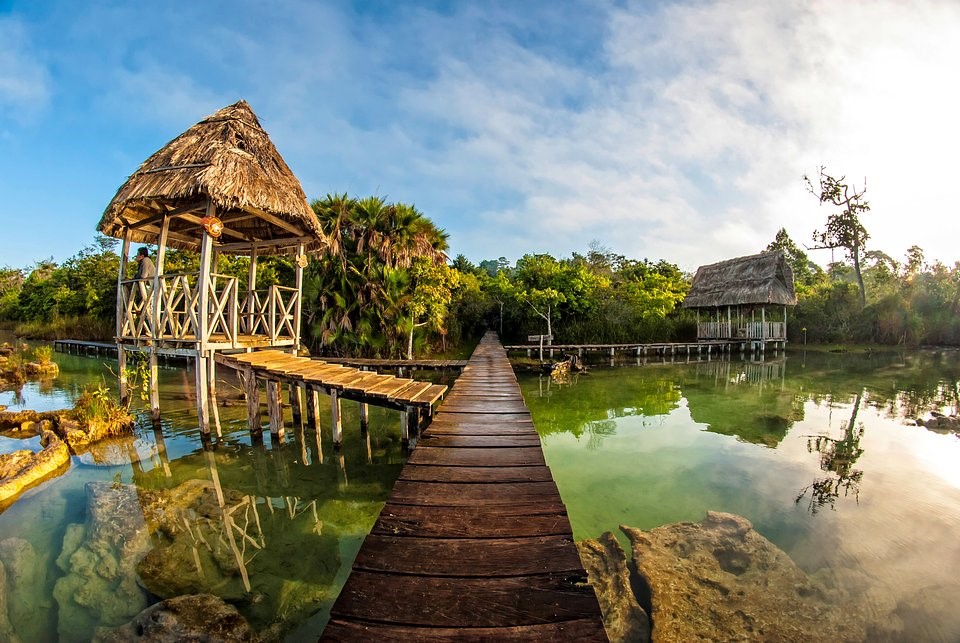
x=798, y=260
x=843, y=229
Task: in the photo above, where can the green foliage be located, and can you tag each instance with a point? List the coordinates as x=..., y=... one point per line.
x=96, y=406
x=378, y=282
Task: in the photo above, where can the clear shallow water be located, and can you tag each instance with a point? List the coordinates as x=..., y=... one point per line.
x=298, y=510
x=814, y=450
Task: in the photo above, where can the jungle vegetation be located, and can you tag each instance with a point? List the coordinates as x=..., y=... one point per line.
x=386, y=287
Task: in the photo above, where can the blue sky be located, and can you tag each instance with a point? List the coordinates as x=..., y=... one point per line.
x=663, y=130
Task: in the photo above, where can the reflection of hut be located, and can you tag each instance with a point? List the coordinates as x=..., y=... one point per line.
x=735, y=294
x=220, y=187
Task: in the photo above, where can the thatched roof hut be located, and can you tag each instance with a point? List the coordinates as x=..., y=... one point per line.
x=764, y=278
x=226, y=159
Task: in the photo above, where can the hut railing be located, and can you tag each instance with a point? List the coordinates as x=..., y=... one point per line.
x=179, y=301
x=270, y=312
x=222, y=313
x=137, y=302
x=766, y=330
x=714, y=330
x=282, y=313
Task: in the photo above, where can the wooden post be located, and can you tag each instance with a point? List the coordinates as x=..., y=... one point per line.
x=203, y=416
x=203, y=313
x=295, y=404
x=404, y=425
x=154, y=386
x=364, y=416
x=313, y=409
x=275, y=408
x=298, y=307
x=253, y=400
x=251, y=287
x=121, y=312
x=335, y=418
x=212, y=379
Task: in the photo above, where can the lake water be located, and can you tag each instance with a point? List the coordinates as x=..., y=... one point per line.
x=297, y=512
x=815, y=450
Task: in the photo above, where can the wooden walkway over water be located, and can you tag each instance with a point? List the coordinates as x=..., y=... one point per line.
x=474, y=542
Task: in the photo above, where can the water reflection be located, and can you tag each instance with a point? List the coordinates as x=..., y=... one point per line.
x=270, y=525
x=837, y=457
x=778, y=443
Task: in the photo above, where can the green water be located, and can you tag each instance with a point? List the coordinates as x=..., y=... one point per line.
x=815, y=450
x=298, y=511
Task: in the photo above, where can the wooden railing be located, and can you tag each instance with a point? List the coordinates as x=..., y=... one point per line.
x=746, y=330
x=271, y=312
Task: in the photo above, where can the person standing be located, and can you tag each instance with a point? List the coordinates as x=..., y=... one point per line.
x=145, y=267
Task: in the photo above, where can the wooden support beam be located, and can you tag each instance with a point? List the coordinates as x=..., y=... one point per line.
x=121, y=354
x=253, y=400
x=277, y=221
x=153, y=376
x=313, y=408
x=203, y=415
x=293, y=392
x=364, y=416
x=337, y=427
x=214, y=407
x=275, y=408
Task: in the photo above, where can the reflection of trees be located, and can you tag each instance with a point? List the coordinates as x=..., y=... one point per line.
x=837, y=457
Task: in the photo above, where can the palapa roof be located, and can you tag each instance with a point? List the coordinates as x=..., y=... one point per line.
x=765, y=278
x=226, y=158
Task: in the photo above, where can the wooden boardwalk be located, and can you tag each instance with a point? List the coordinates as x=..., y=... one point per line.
x=425, y=364
x=474, y=542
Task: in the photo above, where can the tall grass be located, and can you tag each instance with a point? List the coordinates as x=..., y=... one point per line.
x=87, y=328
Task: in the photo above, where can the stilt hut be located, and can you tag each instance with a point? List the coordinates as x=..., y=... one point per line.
x=740, y=300
x=220, y=187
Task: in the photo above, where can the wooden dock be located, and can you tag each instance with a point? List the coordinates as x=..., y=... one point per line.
x=277, y=368
x=474, y=542
x=417, y=364
x=659, y=349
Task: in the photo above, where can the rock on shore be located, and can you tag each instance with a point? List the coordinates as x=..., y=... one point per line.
x=197, y=617
x=21, y=469
x=606, y=566
x=719, y=579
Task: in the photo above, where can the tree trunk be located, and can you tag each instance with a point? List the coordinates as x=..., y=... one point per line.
x=410, y=343
x=856, y=268
x=549, y=327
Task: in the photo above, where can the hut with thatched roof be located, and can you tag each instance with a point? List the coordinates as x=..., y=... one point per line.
x=220, y=187
x=735, y=295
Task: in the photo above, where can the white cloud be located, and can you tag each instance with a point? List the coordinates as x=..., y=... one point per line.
x=24, y=80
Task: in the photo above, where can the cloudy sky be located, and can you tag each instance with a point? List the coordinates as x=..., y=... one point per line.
x=665, y=130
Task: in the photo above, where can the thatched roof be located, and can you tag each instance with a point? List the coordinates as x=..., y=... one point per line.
x=765, y=278
x=229, y=159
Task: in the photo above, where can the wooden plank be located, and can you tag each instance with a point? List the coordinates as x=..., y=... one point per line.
x=367, y=383
x=546, y=517
x=476, y=557
x=574, y=630
x=466, y=602
x=449, y=494
x=431, y=440
x=442, y=473
x=411, y=392
x=468, y=457
x=388, y=388
x=258, y=357
x=430, y=395
x=491, y=407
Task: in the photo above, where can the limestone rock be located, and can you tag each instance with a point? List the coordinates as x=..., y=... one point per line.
x=198, y=617
x=7, y=632
x=721, y=580
x=606, y=565
x=24, y=579
x=21, y=469
x=99, y=559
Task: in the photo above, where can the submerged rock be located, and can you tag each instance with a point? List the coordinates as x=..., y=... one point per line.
x=21, y=469
x=99, y=560
x=606, y=565
x=198, y=617
x=721, y=580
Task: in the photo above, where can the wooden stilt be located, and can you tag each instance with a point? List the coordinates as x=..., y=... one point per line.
x=252, y=392
x=337, y=428
x=295, y=404
x=364, y=416
x=154, y=386
x=214, y=407
x=405, y=425
x=275, y=408
x=122, y=367
x=203, y=415
x=313, y=409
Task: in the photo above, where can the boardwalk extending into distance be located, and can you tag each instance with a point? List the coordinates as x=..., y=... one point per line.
x=474, y=542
